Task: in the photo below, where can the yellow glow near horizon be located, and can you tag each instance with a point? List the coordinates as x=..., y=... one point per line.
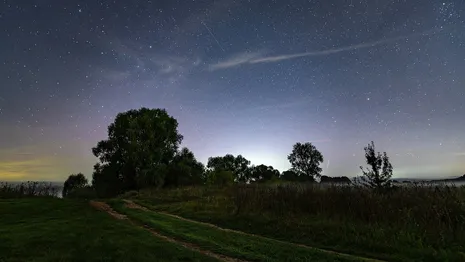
x=33, y=168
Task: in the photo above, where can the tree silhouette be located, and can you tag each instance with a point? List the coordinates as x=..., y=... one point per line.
x=140, y=145
x=305, y=160
x=263, y=173
x=74, y=182
x=184, y=169
x=289, y=175
x=379, y=173
x=106, y=180
x=335, y=180
x=239, y=166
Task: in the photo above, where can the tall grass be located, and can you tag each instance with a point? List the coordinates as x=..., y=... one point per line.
x=425, y=222
x=28, y=189
x=436, y=213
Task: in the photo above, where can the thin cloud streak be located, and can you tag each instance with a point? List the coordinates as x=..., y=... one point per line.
x=338, y=50
x=236, y=60
x=248, y=58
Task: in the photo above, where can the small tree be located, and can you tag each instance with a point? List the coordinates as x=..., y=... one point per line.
x=378, y=174
x=74, y=182
x=263, y=173
x=238, y=165
x=305, y=160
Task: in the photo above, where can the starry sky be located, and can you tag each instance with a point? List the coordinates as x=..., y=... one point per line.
x=241, y=77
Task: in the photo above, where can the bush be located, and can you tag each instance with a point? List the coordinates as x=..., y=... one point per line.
x=130, y=194
x=74, y=182
x=86, y=192
x=220, y=178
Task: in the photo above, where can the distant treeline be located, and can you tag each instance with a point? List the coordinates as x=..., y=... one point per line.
x=29, y=189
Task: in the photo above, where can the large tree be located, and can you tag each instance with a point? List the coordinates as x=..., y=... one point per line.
x=74, y=182
x=305, y=160
x=140, y=145
x=238, y=165
x=379, y=173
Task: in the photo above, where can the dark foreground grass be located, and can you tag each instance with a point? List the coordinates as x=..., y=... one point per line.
x=47, y=229
x=232, y=244
x=408, y=236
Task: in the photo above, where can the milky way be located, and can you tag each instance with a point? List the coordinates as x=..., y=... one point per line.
x=241, y=77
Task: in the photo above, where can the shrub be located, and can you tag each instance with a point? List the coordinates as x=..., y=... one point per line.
x=86, y=192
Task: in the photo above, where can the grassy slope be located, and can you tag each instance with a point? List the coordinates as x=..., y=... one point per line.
x=45, y=229
x=363, y=240
x=227, y=243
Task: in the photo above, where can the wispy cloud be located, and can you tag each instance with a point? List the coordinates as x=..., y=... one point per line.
x=166, y=65
x=255, y=58
x=236, y=60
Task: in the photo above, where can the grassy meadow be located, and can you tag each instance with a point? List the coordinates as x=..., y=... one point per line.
x=277, y=222
x=232, y=244
x=414, y=223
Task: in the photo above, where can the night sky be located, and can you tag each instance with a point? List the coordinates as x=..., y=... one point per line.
x=241, y=77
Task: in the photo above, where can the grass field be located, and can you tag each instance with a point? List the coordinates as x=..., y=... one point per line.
x=48, y=229
x=232, y=244
x=415, y=234
x=274, y=224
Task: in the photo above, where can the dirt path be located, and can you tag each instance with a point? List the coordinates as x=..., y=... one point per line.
x=131, y=204
x=106, y=208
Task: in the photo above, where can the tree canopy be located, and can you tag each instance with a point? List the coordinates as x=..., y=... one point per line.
x=263, y=173
x=237, y=165
x=184, y=170
x=305, y=160
x=140, y=145
x=289, y=175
